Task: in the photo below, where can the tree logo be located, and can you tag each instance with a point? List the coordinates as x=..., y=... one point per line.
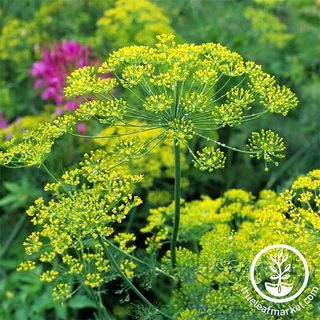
x=279, y=273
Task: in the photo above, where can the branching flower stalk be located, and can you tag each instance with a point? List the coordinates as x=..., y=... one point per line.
x=126, y=280
x=179, y=92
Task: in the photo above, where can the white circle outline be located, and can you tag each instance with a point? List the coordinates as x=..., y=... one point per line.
x=263, y=251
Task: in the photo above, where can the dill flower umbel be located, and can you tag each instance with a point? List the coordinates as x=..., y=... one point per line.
x=185, y=90
x=268, y=27
x=131, y=22
x=86, y=203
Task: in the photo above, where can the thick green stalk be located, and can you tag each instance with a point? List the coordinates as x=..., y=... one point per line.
x=177, y=196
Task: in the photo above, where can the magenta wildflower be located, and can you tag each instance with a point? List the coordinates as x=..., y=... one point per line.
x=56, y=64
x=3, y=121
x=81, y=127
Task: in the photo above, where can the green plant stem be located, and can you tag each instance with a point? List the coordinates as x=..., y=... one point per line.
x=139, y=260
x=177, y=196
x=126, y=280
x=13, y=234
x=102, y=314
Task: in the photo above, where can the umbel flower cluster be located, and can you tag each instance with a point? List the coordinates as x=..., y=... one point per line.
x=86, y=204
x=237, y=207
x=184, y=91
x=187, y=90
x=131, y=22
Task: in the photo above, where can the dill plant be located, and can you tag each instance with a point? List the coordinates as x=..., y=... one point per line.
x=179, y=92
x=230, y=231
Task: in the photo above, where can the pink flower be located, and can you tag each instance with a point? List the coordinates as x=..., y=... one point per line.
x=3, y=121
x=56, y=64
x=71, y=105
x=81, y=127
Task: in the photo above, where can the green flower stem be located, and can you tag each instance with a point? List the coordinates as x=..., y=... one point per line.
x=177, y=196
x=16, y=230
x=139, y=260
x=126, y=280
x=102, y=313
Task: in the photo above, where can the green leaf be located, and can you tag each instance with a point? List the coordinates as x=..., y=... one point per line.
x=81, y=301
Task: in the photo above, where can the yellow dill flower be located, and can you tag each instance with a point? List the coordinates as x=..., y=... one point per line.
x=194, y=101
x=32, y=243
x=33, y=147
x=25, y=124
x=47, y=256
x=310, y=181
x=279, y=100
x=26, y=266
x=158, y=103
x=83, y=81
x=49, y=275
x=123, y=239
x=305, y=196
x=219, y=265
x=234, y=208
x=93, y=280
x=172, y=85
x=127, y=266
x=131, y=22
x=181, y=129
x=227, y=115
x=132, y=75
x=239, y=195
x=306, y=188
x=209, y=159
x=266, y=145
x=160, y=157
x=74, y=266
x=61, y=292
x=240, y=97
x=269, y=27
